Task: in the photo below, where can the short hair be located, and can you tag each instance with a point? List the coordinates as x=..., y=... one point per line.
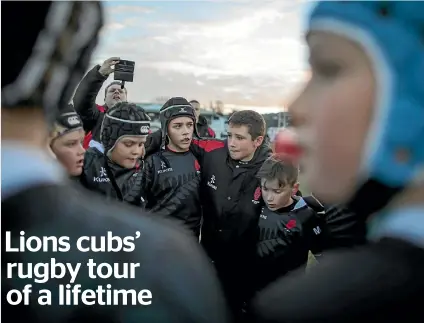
x=114, y=83
x=194, y=101
x=283, y=170
x=253, y=120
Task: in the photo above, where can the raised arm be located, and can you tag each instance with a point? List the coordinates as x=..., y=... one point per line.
x=86, y=93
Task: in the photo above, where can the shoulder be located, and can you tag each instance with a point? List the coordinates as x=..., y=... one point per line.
x=93, y=151
x=308, y=216
x=313, y=203
x=202, y=121
x=209, y=145
x=335, y=274
x=92, y=156
x=153, y=158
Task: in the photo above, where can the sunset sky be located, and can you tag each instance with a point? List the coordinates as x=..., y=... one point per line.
x=245, y=53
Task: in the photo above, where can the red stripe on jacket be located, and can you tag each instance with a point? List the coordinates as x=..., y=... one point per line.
x=89, y=134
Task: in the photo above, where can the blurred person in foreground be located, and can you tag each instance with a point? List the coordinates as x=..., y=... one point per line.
x=203, y=129
x=37, y=200
x=367, y=62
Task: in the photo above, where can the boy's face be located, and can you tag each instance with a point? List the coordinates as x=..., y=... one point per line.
x=333, y=113
x=276, y=196
x=180, y=133
x=241, y=146
x=128, y=151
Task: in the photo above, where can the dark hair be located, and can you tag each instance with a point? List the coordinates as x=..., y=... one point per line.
x=253, y=120
x=284, y=171
x=114, y=83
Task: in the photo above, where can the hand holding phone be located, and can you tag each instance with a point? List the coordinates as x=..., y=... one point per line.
x=106, y=68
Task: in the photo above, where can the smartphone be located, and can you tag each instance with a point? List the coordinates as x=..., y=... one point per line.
x=124, y=71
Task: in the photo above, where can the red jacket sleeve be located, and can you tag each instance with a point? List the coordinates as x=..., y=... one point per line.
x=201, y=146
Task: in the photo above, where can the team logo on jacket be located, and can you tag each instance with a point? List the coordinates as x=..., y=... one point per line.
x=317, y=230
x=291, y=224
x=263, y=216
x=102, y=178
x=257, y=195
x=164, y=169
x=211, y=183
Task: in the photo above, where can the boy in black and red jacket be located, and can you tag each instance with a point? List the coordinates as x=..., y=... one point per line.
x=231, y=197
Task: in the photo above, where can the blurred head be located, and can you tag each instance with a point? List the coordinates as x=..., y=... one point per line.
x=124, y=132
x=341, y=92
x=196, y=106
x=114, y=94
x=178, y=122
x=246, y=131
x=66, y=140
x=279, y=182
x=359, y=118
x=34, y=85
x=180, y=133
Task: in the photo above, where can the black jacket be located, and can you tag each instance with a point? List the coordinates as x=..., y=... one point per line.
x=345, y=228
x=378, y=282
x=231, y=202
x=285, y=240
x=231, y=198
x=169, y=186
x=172, y=266
x=203, y=128
x=230, y=194
x=85, y=102
x=101, y=175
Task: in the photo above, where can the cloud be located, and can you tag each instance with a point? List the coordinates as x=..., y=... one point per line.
x=242, y=53
x=112, y=26
x=133, y=9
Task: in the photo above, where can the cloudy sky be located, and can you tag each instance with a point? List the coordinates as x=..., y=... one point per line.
x=244, y=53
